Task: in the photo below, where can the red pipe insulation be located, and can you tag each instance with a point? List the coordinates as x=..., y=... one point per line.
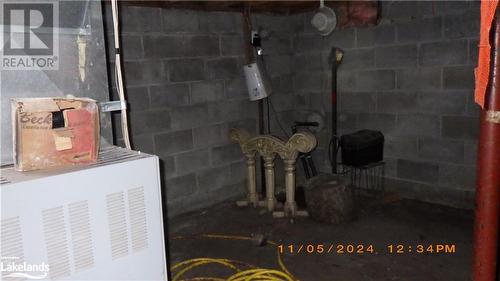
x=488, y=171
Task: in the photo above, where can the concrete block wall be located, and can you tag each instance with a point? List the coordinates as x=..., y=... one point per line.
x=410, y=77
x=185, y=88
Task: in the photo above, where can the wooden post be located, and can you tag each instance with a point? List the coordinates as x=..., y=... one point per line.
x=241, y=137
x=290, y=204
x=253, y=198
x=488, y=171
x=268, y=146
x=269, y=166
x=249, y=58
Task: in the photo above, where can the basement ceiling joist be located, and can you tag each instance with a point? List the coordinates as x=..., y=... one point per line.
x=349, y=13
x=276, y=7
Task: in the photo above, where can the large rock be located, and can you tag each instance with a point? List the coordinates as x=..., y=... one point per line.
x=329, y=199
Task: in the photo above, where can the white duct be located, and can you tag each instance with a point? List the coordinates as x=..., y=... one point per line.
x=118, y=75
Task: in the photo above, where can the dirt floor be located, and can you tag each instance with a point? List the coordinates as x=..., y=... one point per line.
x=442, y=235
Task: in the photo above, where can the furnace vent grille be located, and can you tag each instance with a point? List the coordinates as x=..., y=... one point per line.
x=4, y=180
x=81, y=235
x=117, y=224
x=138, y=226
x=12, y=244
x=56, y=242
x=116, y=154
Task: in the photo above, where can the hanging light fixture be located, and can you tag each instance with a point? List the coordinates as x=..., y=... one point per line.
x=257, y=81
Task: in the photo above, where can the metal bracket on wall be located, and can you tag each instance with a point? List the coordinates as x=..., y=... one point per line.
x=493, y=116
x=109, y=106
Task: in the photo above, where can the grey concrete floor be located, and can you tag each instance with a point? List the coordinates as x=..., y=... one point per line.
x=404, y=222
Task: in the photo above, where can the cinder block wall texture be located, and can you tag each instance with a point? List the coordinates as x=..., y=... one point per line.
x=185, y=88
x=410, y=77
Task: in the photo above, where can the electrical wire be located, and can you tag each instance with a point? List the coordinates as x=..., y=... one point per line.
x=242, y=271
x=277, y=119
x=331, y=142
x=268, y=116
x=330, y=150
x=270, y=102
x=322, y=75
x=248, y=22
x=119, y=75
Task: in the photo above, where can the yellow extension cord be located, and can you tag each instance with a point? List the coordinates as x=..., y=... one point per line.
x=251, y=274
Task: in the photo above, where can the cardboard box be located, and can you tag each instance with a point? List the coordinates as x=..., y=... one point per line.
x=50, y=132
